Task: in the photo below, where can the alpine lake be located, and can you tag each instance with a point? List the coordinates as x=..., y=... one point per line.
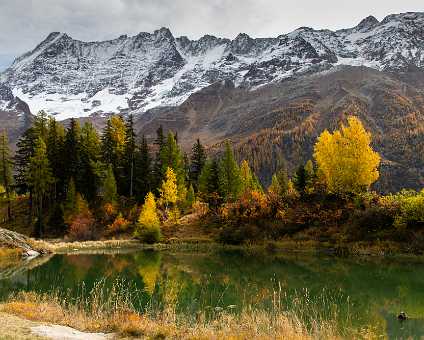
x=356, y=292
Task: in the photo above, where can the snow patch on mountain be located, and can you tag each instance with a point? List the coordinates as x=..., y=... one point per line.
x=70, y=78
x=74, y=105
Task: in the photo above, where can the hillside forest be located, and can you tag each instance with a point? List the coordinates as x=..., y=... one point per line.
x=76, y=183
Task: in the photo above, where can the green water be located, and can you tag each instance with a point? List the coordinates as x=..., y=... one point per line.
x=360, y=292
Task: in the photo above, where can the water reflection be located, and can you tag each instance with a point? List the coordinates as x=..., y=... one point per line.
x=362, y=293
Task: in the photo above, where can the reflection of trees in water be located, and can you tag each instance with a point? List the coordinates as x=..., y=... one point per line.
x=196, y=281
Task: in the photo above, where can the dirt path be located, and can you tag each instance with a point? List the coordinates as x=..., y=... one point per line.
x=14, y=328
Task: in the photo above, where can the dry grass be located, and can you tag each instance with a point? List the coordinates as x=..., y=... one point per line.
x=13, y=253
x=113, y=312
x=249, y=325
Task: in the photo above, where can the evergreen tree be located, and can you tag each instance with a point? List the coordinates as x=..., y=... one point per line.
x=91, y=167
x=6, y=171
x=25, y=150
x=157, y=166
x=171, y=157
x=209, y=183
x=303, y=178
x=129, y=157
x=143, y=175
x=71, y=197
x=73, y=153
x=249, y=181
x=198, y=160
x=40, y=181
x=229, y=176
x=299, y=179
x=107, y=144
x=110, y=192
x=41, y=125
x=56, y=155
x=113, y=148
x=280, y=181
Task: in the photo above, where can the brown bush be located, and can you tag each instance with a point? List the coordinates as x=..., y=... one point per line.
x=82, y=227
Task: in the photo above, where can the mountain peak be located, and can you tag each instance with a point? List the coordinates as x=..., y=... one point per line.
x=164, y=32
x=70, y=77
x=368, y=23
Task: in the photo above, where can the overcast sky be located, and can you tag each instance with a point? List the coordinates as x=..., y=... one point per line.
x=24, y=23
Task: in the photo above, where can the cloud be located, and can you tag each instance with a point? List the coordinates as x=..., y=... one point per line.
x=24, y=23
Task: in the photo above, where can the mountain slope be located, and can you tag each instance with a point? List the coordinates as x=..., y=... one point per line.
x=283, y=120
x=15, y=115
x=71, y=78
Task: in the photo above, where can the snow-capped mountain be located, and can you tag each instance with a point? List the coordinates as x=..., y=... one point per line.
x=71, y=78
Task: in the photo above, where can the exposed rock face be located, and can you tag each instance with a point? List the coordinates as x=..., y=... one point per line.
x=14, y=240
x=72, y=78
x=15, y=115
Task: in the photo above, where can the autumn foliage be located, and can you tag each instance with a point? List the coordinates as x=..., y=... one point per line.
x=148, y=227
x=119, y=225
x=346, y=162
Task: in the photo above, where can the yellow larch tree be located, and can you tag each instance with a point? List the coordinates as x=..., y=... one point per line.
x=148, y=227
x=346, y=161
x=169, y=189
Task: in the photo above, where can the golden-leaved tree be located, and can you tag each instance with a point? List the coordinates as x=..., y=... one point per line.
x=346, y=161
x=169, y=189
x=148, y=228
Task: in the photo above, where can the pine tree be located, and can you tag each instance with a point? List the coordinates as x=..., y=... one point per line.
x=113, y=148
x=25, y=150
x=249, y=181
x=73, y=153
x=303, y=178
x=229, y=176
x=143, y=174
x=110, y=192
x=198, y=160
x=171, y=157
x=71, y=197
x=148, y=227
x=129, y=157
x=280, y=181
x=40, y=181
x=157, y=166
x=107, y=144
x=56, y=155
x=91, y=167
x=209, y=183
x=6, y=171
x=41, y=125
x=299, y=179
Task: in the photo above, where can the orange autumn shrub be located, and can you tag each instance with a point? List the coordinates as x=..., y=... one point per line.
x=250, y=205
x=119, y=225
x=82, y=227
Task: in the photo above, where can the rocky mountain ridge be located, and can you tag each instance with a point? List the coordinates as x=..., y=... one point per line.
x=71, y=78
